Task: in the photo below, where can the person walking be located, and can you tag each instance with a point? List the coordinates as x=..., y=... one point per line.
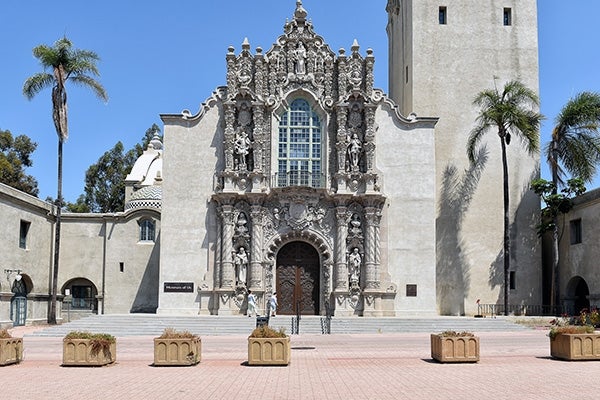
x=273, y=304
x=251, y=304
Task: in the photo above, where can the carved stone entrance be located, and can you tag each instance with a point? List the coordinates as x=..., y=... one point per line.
x=298, y=279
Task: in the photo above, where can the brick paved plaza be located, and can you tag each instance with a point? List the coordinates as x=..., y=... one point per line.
x=514, y=365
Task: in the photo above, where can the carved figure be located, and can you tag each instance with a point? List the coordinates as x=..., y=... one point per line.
x=300, y=54
x=242, y=148
x=354, y=261
x=241, y=227
x=354, y=150
x=241, y=265
x=355, y=224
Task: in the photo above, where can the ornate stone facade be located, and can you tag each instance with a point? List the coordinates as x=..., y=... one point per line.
x=306, y=158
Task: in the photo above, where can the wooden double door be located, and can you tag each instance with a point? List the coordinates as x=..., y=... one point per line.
x=298, y=279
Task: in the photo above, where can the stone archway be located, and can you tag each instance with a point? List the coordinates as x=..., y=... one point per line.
x=297, y=279
x=578, y=292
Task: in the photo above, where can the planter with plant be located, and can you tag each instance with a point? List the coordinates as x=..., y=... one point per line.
x=453, y=347
x=177, y=348
x=11, y=349
x=89, y=349
x=575, y=338
x=267, y=346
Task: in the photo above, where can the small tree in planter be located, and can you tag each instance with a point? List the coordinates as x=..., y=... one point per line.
x=267, y=346
x=452, y=347
x=177, y=348
x=575, y=338
x=11, y=349
x=89, y=349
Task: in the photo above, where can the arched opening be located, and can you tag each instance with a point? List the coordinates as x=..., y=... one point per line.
x=578, y=292
x=20, y=287
x=297, y=279
x=83, y=295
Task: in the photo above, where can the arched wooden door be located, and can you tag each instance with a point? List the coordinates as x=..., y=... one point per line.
x=298, y=279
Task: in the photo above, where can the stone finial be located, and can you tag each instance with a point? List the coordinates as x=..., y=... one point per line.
x=355, y=46
x=156, y=143
x=246, y=45
x=300, y=13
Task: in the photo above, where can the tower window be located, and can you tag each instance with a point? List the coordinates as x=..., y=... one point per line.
x=147, y=230
x=507, y=17
x=512, y=281
x=23, y=231
x=575, y=230
x=406, y=74
x=443, y=15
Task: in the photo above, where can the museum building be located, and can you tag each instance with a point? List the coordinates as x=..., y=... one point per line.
x=301, y=178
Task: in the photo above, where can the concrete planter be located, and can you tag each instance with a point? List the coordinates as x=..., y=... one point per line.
x=177, y=352
x=11, y=351
x=269, y=351
x=576, y=346
x=79, y=352
x=453, y=349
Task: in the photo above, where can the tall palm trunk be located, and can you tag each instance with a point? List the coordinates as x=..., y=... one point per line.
x=506, y=255
x=52, y=316
x=554, y=292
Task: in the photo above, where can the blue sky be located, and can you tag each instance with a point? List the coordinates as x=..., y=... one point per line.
x=163, y=57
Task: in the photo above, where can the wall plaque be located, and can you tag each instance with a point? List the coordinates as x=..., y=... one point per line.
x=179, y=287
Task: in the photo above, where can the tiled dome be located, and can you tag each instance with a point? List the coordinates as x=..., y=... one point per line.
x=146, y=197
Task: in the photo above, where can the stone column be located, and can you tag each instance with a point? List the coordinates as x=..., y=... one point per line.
x=256, y=215
x=219, y=249
x=372, y=248
x=227, y=267
x=229, y=134
x=341, y=264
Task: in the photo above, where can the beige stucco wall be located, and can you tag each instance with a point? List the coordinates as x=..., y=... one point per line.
x=34, y=261
x=189, y=225
x=406, y=163
x=448, y=65
x=94, y=245
x=580, y=260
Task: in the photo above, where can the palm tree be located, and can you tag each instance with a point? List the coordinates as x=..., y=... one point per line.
x=511, y=112
x=574, y=148
x=78, y=67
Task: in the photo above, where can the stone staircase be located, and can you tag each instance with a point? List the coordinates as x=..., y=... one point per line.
x=153, y=325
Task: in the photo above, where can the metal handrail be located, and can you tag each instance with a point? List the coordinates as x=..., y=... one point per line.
x=524, y=309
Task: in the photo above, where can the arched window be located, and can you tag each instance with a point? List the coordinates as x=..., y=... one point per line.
x=299, y=153
x=147, y=230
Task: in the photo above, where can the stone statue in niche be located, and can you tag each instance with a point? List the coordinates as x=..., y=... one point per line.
x=241, y=226
x=241, y=266
x=354, y=151
x=242, y=146
x=355, y=226
x=354, y=262
x=300, y=58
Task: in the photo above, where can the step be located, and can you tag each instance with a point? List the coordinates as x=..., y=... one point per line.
x=153, y=325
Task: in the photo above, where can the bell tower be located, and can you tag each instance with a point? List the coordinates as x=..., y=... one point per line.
x=441, y=54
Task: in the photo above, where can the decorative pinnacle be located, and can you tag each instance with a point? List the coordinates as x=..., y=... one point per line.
x=300, y=13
